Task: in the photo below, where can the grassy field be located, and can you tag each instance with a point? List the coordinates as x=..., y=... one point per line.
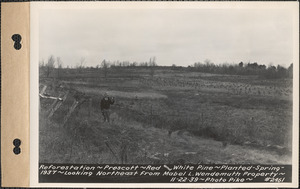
x=165, y=116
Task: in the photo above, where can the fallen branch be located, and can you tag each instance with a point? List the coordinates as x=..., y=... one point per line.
x=57, y=104
x=71, y=110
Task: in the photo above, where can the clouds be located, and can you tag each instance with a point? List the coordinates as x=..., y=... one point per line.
x=179, y=37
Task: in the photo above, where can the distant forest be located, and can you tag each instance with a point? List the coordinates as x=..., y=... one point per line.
x=270, y=72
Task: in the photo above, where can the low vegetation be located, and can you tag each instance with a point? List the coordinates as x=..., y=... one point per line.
x=164, y=115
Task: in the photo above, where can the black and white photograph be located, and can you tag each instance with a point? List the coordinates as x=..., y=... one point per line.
x=166, y=86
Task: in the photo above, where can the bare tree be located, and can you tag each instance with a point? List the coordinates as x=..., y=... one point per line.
x=152, y=64
x=290, y=71
x=59, y=66
x=81, y=64
x=152, y=61
x=105, y=65
x=208, y=62
x=42, y=63
x=50, y=65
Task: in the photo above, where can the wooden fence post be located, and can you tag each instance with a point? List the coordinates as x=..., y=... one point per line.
x=42, y=92
x=57, y=103
x=74, y=105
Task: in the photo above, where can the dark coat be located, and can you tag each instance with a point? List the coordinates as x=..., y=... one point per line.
x=106, y=102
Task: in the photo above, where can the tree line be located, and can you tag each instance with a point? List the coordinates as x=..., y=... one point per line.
x=242, y=68
x=56, y=64
x=107, y=63
x=271, y=72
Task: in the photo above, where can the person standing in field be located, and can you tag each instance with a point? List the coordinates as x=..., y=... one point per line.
x=105, y=105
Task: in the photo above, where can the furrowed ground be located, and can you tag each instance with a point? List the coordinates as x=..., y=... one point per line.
x=165, y=116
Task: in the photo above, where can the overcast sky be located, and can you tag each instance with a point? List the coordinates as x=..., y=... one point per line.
x=180, y=37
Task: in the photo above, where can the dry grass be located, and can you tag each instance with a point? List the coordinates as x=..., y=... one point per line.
x=87, y=141
x=192, y=118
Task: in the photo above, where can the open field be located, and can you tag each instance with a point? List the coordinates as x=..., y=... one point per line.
x=165, y=116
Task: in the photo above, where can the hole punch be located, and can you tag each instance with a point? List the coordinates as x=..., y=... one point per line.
x=17, y=151
x=17, y=144
x=17, y=39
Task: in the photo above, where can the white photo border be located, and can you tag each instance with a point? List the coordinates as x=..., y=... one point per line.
x=37, y=7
